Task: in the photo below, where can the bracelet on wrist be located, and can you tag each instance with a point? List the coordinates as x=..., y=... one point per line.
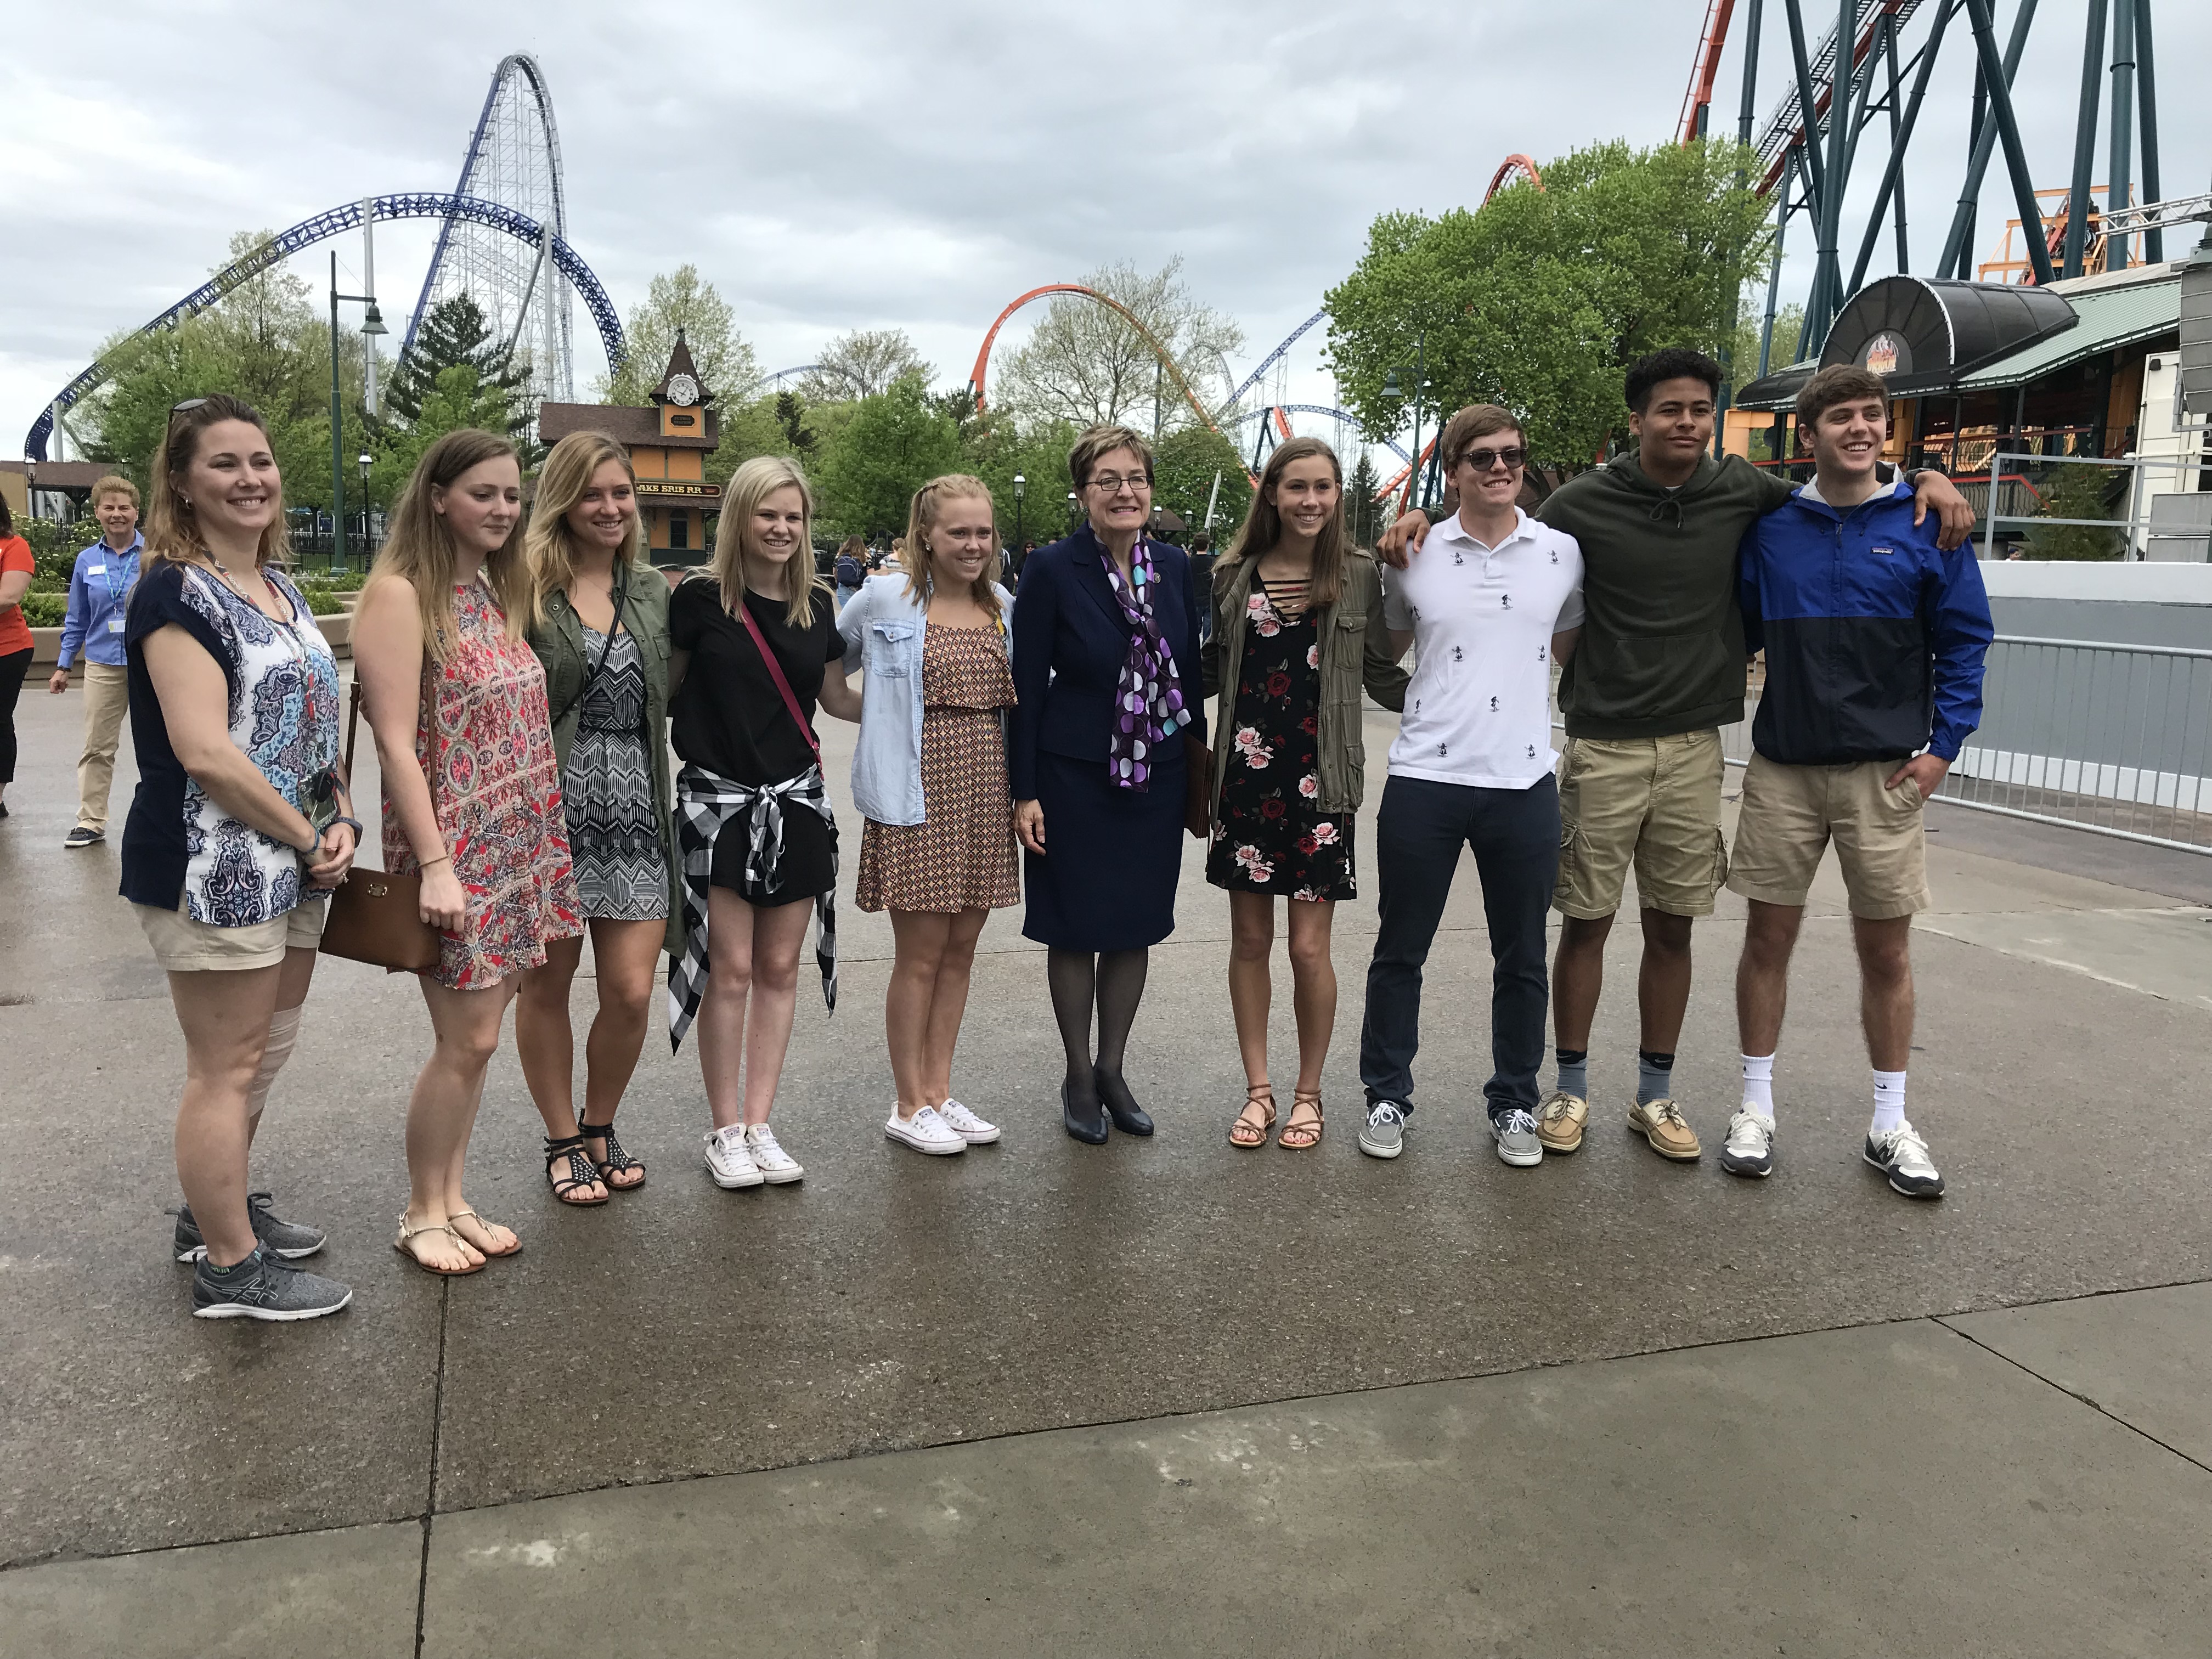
x=443, y=857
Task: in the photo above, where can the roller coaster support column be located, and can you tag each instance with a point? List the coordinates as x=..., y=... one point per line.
x=1746, y=108
x=1892, y=176
x=2147, y=98
x=2085, y=139
x=1996, y=82
x=372, y=324
x=2121, y=158
x=1827, y=271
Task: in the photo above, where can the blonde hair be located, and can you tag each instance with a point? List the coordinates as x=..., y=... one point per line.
x=1263, y=527
x=549, y=544
x=421, y=551
x=115, y=484
x=921, y=517
x=749, y=485
x=172, y=531
x=1100, y=442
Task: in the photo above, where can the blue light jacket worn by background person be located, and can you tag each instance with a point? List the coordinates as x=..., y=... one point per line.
x=1873, y=635
x=99, y=586
x=887, y=629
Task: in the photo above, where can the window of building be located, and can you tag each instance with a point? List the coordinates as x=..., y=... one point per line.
x=680, y=531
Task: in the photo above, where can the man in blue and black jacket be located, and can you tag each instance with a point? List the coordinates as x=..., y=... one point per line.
x=1874, y=638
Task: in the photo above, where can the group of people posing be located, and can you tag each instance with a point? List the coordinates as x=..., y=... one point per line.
x=525, y=673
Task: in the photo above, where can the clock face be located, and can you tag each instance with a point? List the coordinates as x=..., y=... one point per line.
x=683, y=391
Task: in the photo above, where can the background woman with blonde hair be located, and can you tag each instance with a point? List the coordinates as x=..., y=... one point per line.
x=471, y=799
x=240, y=825
x=751, y=638
x=1297, y=633
x=929, y=777
x=599, y=626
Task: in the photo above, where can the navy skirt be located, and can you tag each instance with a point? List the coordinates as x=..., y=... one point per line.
x=1109, y=881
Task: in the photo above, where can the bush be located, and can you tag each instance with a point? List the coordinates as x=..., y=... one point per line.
x=2078, y=492
x=45, y=609
x=54, y=547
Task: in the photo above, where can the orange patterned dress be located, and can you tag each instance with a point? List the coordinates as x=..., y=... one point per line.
x=961, y=856
x=485, y=742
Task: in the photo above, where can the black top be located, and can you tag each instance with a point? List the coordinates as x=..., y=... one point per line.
x=729, y=717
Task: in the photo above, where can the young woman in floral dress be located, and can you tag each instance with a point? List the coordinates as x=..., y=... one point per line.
x=1297, y=632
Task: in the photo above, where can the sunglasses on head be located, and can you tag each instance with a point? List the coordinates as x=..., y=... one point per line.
x=1483, y=459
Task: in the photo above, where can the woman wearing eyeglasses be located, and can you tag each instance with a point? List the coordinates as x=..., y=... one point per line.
x=1297, y=631
x=1107, y=678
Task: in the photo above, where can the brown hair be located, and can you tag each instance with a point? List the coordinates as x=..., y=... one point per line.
x=1838, y=383
x=115, y=484
x=1101, y=441
x=549, y=542
x=1476, y=421
x=749, y=485
x=421, y=551
x=1263, y=527
x=921, y=558
x=172, y=532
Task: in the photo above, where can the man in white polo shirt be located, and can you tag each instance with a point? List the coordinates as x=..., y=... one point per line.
x=1494, y=599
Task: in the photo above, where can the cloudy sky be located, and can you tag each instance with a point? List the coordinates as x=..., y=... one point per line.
x=880, y=164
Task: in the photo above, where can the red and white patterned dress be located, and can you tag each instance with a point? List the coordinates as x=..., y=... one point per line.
x=485, y=742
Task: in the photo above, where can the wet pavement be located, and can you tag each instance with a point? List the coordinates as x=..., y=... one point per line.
x=946, y=1310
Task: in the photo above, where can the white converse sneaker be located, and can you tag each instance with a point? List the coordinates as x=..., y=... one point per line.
x=965, y=1124
x=776, y=1165
x=728, y=1161
x=926, y=1131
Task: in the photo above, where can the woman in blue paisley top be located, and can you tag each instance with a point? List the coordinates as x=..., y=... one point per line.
x=240, y=829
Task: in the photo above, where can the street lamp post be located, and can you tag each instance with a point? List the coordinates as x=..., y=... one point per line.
x=1020, y=485
x=1073, y=511
x=1419, y=373
x=367, y=543
x=372, y=324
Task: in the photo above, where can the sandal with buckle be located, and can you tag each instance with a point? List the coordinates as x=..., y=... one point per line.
x=582, y=1172
x=616, y=1161
x=1307, y=1130
x=482, y=1249
x=404, y=1245
x=1257, y=1133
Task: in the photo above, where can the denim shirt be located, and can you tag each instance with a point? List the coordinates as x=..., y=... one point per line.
x=886, y=629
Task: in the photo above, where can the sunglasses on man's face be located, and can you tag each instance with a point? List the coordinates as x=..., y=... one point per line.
x=1483, y=459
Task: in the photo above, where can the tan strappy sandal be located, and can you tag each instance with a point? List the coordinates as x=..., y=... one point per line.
x=487, y=1225
x=403, y=1244
x=1252, y=1093
x=1309, y=1128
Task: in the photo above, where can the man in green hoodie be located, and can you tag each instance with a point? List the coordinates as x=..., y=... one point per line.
x=1659, y=672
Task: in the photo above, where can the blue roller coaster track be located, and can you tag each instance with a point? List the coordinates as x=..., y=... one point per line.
x=424, y=205
x=1272, y=358
x=1343, y=414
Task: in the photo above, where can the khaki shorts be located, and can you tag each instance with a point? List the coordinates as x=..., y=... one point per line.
x=1655, y=801
x=182, y=946
x=1791, y=812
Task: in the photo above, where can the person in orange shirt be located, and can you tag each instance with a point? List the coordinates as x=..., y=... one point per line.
x=16, y=568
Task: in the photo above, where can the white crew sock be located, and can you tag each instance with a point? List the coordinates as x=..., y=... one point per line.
x=284, y=1032
x=1888, y=1102
x=1758, y=1083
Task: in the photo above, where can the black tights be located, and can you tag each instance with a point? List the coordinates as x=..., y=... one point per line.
x=13, y=667
x=1114, y=980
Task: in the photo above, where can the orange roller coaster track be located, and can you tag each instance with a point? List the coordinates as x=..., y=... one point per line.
x=1515, y=166
x=1166, y=361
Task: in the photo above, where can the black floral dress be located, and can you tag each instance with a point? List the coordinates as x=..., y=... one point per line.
x=1270, y=834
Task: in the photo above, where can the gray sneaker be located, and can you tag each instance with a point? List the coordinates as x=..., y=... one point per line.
x=259, y=1288
x=287, y=1239
x=1384, y=1134
x=1516, y=1132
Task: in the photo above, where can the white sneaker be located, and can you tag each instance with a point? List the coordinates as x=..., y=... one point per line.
x=776, y=1165
x=965, y=1124
x=728, y=1161
x=1902, y=1155
x=1749, y=1149
x=926, y=1131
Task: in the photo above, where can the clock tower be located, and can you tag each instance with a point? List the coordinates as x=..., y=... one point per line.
x=668, y=446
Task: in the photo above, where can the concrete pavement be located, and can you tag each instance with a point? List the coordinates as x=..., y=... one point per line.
x=513, y=1454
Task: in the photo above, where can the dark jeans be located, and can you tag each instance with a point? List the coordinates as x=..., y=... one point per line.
x=1420, y=830
x=13, y=667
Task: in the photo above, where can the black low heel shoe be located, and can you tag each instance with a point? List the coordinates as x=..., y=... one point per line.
x=1089, y=1127
x=1129, y=1118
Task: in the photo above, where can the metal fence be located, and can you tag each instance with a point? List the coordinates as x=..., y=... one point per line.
x=2136, y=507
x=2095, y=735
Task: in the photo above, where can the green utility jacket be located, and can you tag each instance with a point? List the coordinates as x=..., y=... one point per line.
x=559, y=643
x=1355, y=651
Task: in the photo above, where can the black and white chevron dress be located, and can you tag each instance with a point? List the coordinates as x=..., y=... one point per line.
x=622, y=874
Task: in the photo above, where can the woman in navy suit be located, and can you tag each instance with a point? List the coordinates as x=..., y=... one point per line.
x=1107, y=671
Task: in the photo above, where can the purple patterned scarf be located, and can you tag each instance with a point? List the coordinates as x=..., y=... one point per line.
x=1148, y=703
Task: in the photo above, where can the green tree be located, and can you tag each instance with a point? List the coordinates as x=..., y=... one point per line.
x=1539, y=299
x=997, y=449
x=455, y=335
x=894, y=443
x=1789, y=323
x=1363, y=513
x=1084, y=364
x=683, y=302
x=1184, y=466
x=456, y=399
x=863, y=364
x=2077, y=492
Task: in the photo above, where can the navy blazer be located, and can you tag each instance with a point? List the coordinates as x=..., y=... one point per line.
x=1070, y=642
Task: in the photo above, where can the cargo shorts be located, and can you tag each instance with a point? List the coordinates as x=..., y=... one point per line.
x=1653, y=802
